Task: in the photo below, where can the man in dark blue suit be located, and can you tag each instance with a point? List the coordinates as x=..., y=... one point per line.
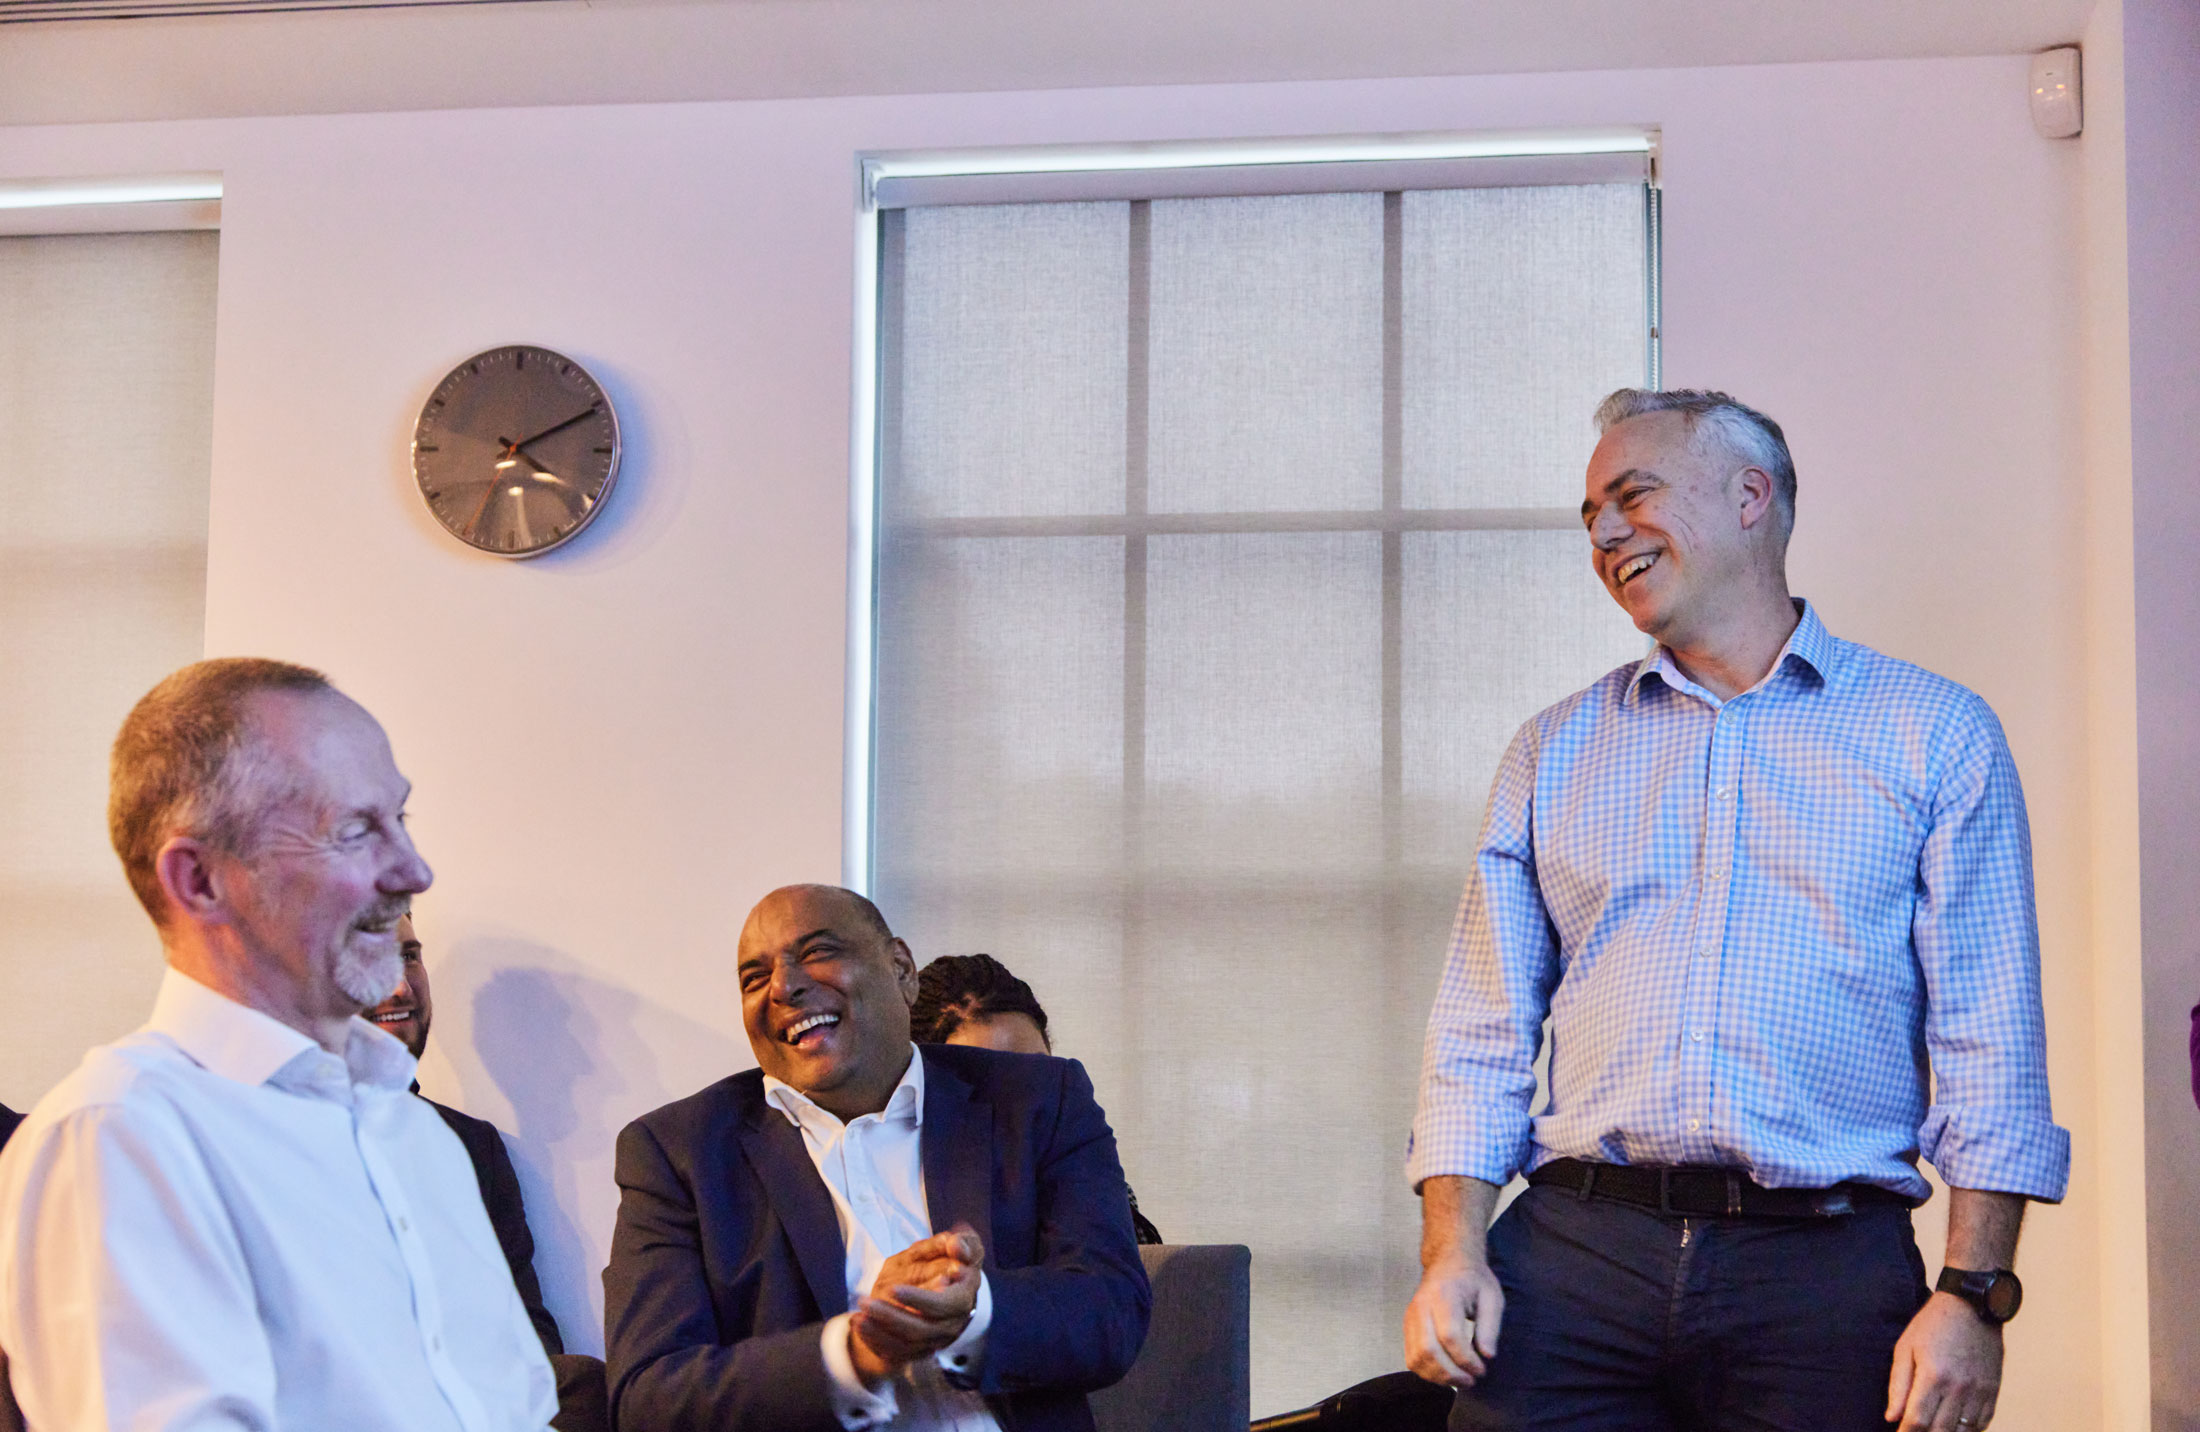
x=856, y=1234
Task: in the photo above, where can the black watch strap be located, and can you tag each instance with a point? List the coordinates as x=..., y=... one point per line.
x=1994, y=1293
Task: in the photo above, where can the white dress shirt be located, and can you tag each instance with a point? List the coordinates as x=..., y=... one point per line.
x=214, y=1223
x=873, y=1166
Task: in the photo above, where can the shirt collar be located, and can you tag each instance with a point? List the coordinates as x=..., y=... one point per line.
x=904, y=1105
x=1809, y=646
x=242, y=1044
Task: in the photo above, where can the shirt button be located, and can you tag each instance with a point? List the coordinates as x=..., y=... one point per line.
x=1697, y=1035
x=435, y=1344
x=1726, y=795
x=1718, y=873
x=404, y=1225
x=1705, y=951
x=1693, y=1125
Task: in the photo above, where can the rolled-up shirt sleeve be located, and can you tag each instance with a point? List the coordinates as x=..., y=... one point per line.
x=1990, y=1126
x=1478, y=1061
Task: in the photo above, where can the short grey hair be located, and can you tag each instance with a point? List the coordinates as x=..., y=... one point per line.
x=1740, y=431
x=186, y=762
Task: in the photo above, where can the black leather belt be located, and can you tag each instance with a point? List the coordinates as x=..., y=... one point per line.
x=1706, y=1192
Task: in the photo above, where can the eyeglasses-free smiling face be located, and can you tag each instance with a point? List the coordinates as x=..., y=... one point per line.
x=410, y=1009
x=1665, y=528
x=331, y=869
x=825, y=996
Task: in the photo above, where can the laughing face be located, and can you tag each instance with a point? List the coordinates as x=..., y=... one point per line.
x=410, y=1009
x=330, y=870
x=1665, y=526
x=825, y=996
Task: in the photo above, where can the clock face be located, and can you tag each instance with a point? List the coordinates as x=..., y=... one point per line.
x=516, y=450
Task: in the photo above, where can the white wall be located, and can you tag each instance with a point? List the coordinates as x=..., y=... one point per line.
x=618, y=747
x=2119, y=1095
x=2161, y=114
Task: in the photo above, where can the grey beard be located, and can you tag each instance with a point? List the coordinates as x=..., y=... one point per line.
x=369, y=980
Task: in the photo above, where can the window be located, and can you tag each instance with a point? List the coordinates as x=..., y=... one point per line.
x=1223, y=537
x=106, y=375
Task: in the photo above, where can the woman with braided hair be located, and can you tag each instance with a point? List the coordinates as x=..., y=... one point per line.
x=974, y=999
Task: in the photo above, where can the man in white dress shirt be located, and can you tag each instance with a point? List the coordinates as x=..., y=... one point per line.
x=239, y=1217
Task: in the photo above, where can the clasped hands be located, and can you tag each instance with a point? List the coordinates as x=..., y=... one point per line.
x=919, y=1304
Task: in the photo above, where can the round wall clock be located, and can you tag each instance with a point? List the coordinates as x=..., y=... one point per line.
x=516, y=450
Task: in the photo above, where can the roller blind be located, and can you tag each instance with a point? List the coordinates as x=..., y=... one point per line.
x=106, y=394
x=1222, y=543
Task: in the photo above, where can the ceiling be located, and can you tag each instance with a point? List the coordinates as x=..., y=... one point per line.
x=614, y=51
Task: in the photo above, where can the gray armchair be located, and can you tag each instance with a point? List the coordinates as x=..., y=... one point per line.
x=1195, y=1372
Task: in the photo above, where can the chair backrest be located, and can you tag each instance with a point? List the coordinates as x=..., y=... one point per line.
x=1195, y=1372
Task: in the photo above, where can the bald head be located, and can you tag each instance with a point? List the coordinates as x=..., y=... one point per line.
x=853, y=905
x=825, y=995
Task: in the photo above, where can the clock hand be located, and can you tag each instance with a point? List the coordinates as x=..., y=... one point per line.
x=512, y=454
x=486, y=493
x=510, y=448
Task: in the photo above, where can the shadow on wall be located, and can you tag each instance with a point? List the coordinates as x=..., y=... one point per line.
x=577, y=1058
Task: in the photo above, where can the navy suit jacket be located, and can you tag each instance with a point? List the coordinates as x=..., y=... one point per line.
x=727, y=1258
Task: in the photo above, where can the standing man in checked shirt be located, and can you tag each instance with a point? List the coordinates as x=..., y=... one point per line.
x=1773, y=891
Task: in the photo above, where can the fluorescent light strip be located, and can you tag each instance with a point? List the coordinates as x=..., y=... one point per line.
x=58, y=193
x=1089, y=158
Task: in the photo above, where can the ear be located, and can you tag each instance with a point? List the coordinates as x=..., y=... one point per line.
x=184, y=868
x=1753, y=491
x=905, y=967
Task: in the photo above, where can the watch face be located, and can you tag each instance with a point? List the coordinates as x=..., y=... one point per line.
x=516, y=450
x=2003, y=1297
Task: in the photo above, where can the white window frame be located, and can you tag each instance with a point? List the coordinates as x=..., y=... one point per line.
x=1188, y=169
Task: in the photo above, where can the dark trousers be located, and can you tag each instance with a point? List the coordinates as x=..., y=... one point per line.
x=1619, y=1319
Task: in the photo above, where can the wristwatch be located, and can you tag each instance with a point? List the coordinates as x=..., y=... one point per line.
x=1995, y=1294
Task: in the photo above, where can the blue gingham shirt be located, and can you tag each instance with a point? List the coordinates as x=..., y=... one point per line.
x=1791, y=933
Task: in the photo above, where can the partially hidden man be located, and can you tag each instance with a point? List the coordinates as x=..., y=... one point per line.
x=1773, y=892
x=406, y=1016
x=862, y=1234
x=239, y=1216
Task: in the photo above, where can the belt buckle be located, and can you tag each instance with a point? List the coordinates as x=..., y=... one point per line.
x=1833, y=1202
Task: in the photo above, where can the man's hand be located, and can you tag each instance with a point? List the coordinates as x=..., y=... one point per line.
x=1947, y=1369
x=1452, y=1322
x=1947, y=1366
x=919, y=1304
